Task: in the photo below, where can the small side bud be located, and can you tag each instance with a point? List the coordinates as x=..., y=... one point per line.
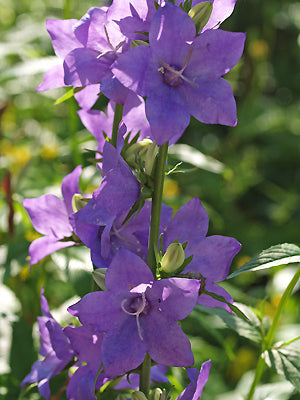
x=121, y=397
x=156, y=394
x=138, y=396
x=78, y=202
x=150, y=158
x=173, y=258
x=137, y=150
x=200, y=14
x=99, y=277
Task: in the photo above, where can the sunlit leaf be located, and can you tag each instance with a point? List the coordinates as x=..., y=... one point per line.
x=285, y=361
x=280, y=254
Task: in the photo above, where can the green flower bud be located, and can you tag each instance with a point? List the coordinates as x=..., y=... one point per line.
x=173, y=258
x=99, y=277
x=137, y=150
x=150, y=158
x=120, y=397
x=156, y=394
x=138, y=396
x=200, y=14
x=78, y=202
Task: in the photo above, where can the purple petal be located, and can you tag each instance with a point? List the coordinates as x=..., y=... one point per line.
x=49, y=216
x=59, y=341
x=127, y=270
x=222, y=9
x=130, y=68
x=89, y=31
x=70, y=186
x=88, y=96
x=213, y=256
x=212, y=102
x=122, y=349
x=53, y=78
x=166, y=342
x=176, y=297
x=86, y=344
x=168, y=118
x=96, y=122
x=81, y=385
x=215, y=52
x=44, y=246
x=193, y=391
x=83, y=67
x=100, y=311
x=189, y=215
x=62, y=35
x=134, y=116
x=90, y=214
x=208, y=301
x=112, y=88
x=171, y=28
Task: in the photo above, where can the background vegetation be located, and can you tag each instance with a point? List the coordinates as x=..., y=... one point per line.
x=247, y=177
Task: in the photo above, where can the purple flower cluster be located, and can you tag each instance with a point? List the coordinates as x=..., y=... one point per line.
x=161, y=66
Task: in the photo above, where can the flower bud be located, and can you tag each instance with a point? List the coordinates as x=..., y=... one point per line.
x=120, y=397
x=99, y=277
x=135, y=150
x=200, y=13
x=173, y=258
x=78, y=202
x=156, y=394
x=150, y=158
x=138, y=396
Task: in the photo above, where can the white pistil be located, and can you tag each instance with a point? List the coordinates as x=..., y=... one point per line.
x=114, y=49
x=137, y=313
x=179, y=73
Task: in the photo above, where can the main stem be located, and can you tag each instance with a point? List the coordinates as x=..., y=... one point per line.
x=117, y=119
x=159, y=177
x=269, y=338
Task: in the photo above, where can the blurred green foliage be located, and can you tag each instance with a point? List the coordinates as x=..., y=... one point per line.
x=255, y=197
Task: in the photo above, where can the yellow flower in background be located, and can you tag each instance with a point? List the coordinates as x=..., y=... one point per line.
x=49, y=151
x=171, y=189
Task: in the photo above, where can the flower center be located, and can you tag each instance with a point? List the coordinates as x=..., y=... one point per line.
x=136, y=306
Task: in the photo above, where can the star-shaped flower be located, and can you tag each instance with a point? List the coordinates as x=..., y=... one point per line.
x=139, y=315
x=181, y=73
x=50, y=216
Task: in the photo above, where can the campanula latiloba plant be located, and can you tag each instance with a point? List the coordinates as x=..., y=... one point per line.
x=158, y=63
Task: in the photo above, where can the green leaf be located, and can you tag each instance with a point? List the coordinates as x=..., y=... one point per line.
x=249, y=330
x=280, y=254
x=70, y=93
x=285, y=361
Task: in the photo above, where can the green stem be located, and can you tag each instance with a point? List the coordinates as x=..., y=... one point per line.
x=159, y=178
x=67, y=9
x=269, y=338
x=117, y=119
x=145, y=376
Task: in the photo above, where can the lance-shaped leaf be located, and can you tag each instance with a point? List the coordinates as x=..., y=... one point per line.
x=280, y=254
x=285, y=361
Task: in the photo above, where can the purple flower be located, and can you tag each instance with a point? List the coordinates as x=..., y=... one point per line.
x=87, y=348
x=198, y=379
x=134, y=118
x=181, y=74
x=138, y=316
x=54, y=347
x=212, y=254
x=50, y=216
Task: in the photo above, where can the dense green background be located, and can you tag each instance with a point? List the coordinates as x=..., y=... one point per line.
x=255, y=198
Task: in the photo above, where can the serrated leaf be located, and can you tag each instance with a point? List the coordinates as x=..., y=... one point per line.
x=249, y=330
x=285, y=361
x=280, y=254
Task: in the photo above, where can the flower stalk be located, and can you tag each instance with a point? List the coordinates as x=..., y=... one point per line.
x=116, y=123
